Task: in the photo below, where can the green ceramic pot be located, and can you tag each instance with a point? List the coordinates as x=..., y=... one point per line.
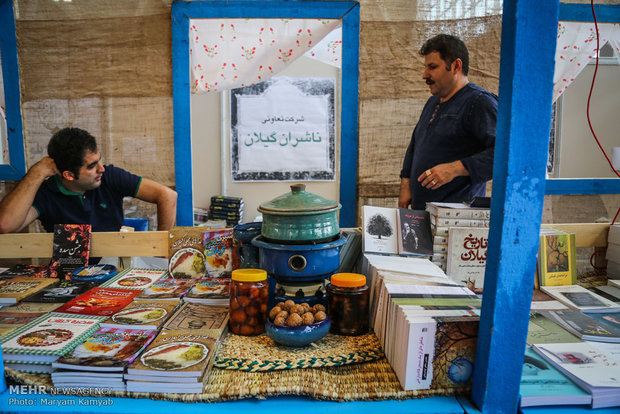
x=300, y=217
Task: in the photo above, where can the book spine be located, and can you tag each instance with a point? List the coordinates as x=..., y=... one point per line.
x=459, y=222
x=440, y=248
x=458, y=213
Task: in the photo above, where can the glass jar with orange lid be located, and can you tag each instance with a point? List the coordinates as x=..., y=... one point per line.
x=348, y=304
x=248, y=301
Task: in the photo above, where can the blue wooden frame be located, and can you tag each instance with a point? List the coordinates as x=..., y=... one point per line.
x=583, y=13
x=16, y=168
x=348, y=11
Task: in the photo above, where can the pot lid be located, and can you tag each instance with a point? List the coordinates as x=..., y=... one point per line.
x=298, y=201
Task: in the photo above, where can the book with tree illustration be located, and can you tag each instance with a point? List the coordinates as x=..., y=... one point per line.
x=557, y=258
x=396, y=231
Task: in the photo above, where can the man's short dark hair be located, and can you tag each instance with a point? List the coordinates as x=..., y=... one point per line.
x=449, y=48
x=67, y=148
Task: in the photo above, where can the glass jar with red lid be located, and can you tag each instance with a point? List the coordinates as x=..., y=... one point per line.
x=348, y=304
x=248, y=301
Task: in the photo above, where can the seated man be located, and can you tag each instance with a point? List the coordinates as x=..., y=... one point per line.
x=71, y=186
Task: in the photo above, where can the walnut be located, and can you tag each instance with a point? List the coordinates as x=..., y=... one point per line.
x=306, y=307
x=320, y=316
x=307, y=318
x=279, y=321
x=318, y=308
x=281, y=314
x=298, y=309
x=294, y=319
x=274, y=311
x=288, y=304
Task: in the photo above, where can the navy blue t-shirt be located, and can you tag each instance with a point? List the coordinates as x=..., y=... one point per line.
x=462, y=128
x=102, y=207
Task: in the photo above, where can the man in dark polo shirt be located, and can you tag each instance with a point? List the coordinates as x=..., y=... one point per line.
x=72, y=186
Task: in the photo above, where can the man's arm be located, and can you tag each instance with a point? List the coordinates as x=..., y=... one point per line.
x=404, y=197
x=16, y=211
x=164, y=197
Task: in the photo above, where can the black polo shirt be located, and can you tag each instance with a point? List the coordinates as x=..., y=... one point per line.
x=102, y=207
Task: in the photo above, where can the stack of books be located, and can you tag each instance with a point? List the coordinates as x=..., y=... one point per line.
x=226, y=208
x=17, y=288
x=460, y=238
x=613, y=252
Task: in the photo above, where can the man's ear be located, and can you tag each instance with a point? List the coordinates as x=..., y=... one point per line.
x=68, y=175
x=457, y=65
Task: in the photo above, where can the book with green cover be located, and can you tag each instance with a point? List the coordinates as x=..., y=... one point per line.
x=557, y=258
x=542, y=330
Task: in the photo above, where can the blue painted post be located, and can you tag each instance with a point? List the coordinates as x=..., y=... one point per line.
x=529, y=31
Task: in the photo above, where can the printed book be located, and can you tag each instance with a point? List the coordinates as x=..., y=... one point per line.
x=458, y=222
x=584, y=326
x=142, y=314
x=25, y=270
x=186, y=259
x=176, y=353
x=107, y=349
x=135, y=278
x=397, y=231
x=61, y=292
x=210, y=291
x=12, y=317
x=167, y=289
x=579, y=298
x=20, y=287
x=71, y=248
x=414, y=232
x=542, y=384
x=608, y=292
x=213, y=319
x=99, y=301
x=457, y=211
x=546, y=330
x=557, y=258
x=467, y=256
x=221, y=256
x=613, y=282
x=47, y=338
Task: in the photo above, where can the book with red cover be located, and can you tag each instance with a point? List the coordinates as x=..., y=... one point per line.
x=99, y=301
x=71, y=248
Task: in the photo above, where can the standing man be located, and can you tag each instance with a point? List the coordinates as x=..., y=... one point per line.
x=450, y=157
x=72, y=186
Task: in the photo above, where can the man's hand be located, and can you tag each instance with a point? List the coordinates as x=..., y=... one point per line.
x=46, y=167
x=404, y=198
x=441, y=174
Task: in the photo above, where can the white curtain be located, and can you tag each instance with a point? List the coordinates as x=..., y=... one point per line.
x=576, y=46
x=231, y=53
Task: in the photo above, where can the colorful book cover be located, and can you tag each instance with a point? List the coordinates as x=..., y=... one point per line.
x=543, y=330
x=557, y=258
x=99, y=301
x=71, y=248
x=142, y=314
x=585, y=326
x=186, y=259
x=179, y=353
x=135, y=278
x=25, y=270
x=210, y=290
x=107, y=349
x=199, y=316
x=12, y=317
x=47, y=337
x=61, y=292
x=169, y=289
x=220, y=254
x=467, y=256
x=414, y=233
x=15, y=289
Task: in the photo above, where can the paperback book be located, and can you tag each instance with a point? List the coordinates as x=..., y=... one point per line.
x=167, y=289
x=397, y=231
x=186, y=259
x=142, y=314
x=545, y=330
x=16, y=289
x=467, y=256
x=557, y=258
x=135, y=278
x=99, y=301
x=61, y=292
x=71, y=248
x=14, y=316
x=584, y=326
x=210, y=291
x=579, y=298
x=220, y=256
x=457, y=211
x=212, y=319
x=25, y=270
x=47, y=338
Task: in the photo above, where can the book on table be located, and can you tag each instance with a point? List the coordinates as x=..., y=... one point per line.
x=99, y=301
x=221, y=256
x=167, y=289
x=586, y=327
x=135, y=278
x=61, y=292
x=142, y=314
x=70, y=248
x=14, y=316
x=544, y=330
x=557, y=258
x=186, y=259
x=25, y=270
x=609, y=292
x=17, y=288
x=544, y=385
x=457, y=211
x=467, y=256
x=579, y=298
x=191, y=316
x=210, y=291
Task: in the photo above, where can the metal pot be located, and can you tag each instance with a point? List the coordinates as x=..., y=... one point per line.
x=300, y=217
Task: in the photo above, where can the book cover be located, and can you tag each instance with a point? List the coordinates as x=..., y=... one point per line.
x=227, y=199
x=467, y=256
x=221, y=256
x=99, y=301
x=61, y=292
x=186, y=259
x=71, y=248
x=579, y=298
x=457, y=211
x=210, y=290
x=380, y=234
x=135, y=278
x=47, y=337
x=557, y=258
x=107, y=349
x=542, y=384
x=15, y=289
x=168, y=289
x=198, y=316
x=142, y=314
x=585, y=326
x=543, y=330
x=608, y=292
x=12, y=317
x=174, y=353
x=614, y=283
x=414, y=232
x=608, y=318
x=25, y=270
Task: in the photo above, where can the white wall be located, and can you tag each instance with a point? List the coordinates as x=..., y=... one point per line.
x=580, y=156
x=206, y=149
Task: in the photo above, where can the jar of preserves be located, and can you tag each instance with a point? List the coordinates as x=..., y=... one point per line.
x=248, y=301
x=348, y=304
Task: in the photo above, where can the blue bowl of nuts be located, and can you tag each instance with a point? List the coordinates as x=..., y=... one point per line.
x=297, y=325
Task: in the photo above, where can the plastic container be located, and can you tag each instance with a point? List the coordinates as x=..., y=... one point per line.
x=248, y=301
x=98, y=273
x=348, y=304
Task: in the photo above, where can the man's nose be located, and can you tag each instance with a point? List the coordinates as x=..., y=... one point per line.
x=100, y=168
